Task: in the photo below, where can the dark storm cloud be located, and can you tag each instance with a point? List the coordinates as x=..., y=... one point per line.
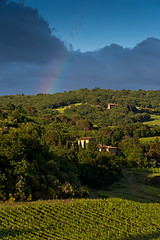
x=20, y=77
x=117, y=67
x=25, y=36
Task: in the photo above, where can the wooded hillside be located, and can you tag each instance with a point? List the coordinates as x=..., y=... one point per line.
x=39, y=154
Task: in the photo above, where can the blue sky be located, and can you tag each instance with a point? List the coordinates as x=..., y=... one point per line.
x=89, y=25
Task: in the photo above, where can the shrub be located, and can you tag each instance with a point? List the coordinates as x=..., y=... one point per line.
x=153, y=179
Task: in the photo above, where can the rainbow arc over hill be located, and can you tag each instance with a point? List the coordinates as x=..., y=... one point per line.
x=54, y=79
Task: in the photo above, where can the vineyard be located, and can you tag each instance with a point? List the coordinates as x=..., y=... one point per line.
x=112, y=218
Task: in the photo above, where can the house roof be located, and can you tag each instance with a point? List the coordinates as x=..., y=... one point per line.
x=111, y=147
x=100, y=146
x=85, y=138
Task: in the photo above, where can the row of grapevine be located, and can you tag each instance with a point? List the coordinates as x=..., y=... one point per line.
x=81, y=219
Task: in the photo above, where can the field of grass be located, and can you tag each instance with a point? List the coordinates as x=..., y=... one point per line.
x=155, y=120
x=62, y=109
x=148, y=139
x=132, y=187
x=130, y=210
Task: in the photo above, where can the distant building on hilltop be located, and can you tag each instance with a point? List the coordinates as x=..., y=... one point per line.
x=111, y=105
x=85, y=140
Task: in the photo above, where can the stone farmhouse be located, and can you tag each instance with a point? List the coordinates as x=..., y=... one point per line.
x=83, y=141
x=104, y=148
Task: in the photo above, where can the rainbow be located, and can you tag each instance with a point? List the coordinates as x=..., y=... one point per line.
x=53, y=80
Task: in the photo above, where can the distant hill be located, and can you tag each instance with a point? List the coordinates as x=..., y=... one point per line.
x=95, y=101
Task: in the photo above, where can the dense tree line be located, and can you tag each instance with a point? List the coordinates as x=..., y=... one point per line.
x=96, y=96
x=37, y=159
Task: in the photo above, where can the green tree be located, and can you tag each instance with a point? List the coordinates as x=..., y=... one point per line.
x=132, y=151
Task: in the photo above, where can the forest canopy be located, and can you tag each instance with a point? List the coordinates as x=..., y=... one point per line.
x=39, y=152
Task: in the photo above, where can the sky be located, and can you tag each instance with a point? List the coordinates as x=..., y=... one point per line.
x=52, y=46
x=89, y=25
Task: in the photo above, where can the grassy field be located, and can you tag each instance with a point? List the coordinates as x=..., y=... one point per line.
x=132, y=187
x=62, y=109
x=130, y=210
x=148, y=139
x=155, y=120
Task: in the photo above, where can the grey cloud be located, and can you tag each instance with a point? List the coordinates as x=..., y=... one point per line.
x=25, y=36
x=20, y=77
x=117, y=67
